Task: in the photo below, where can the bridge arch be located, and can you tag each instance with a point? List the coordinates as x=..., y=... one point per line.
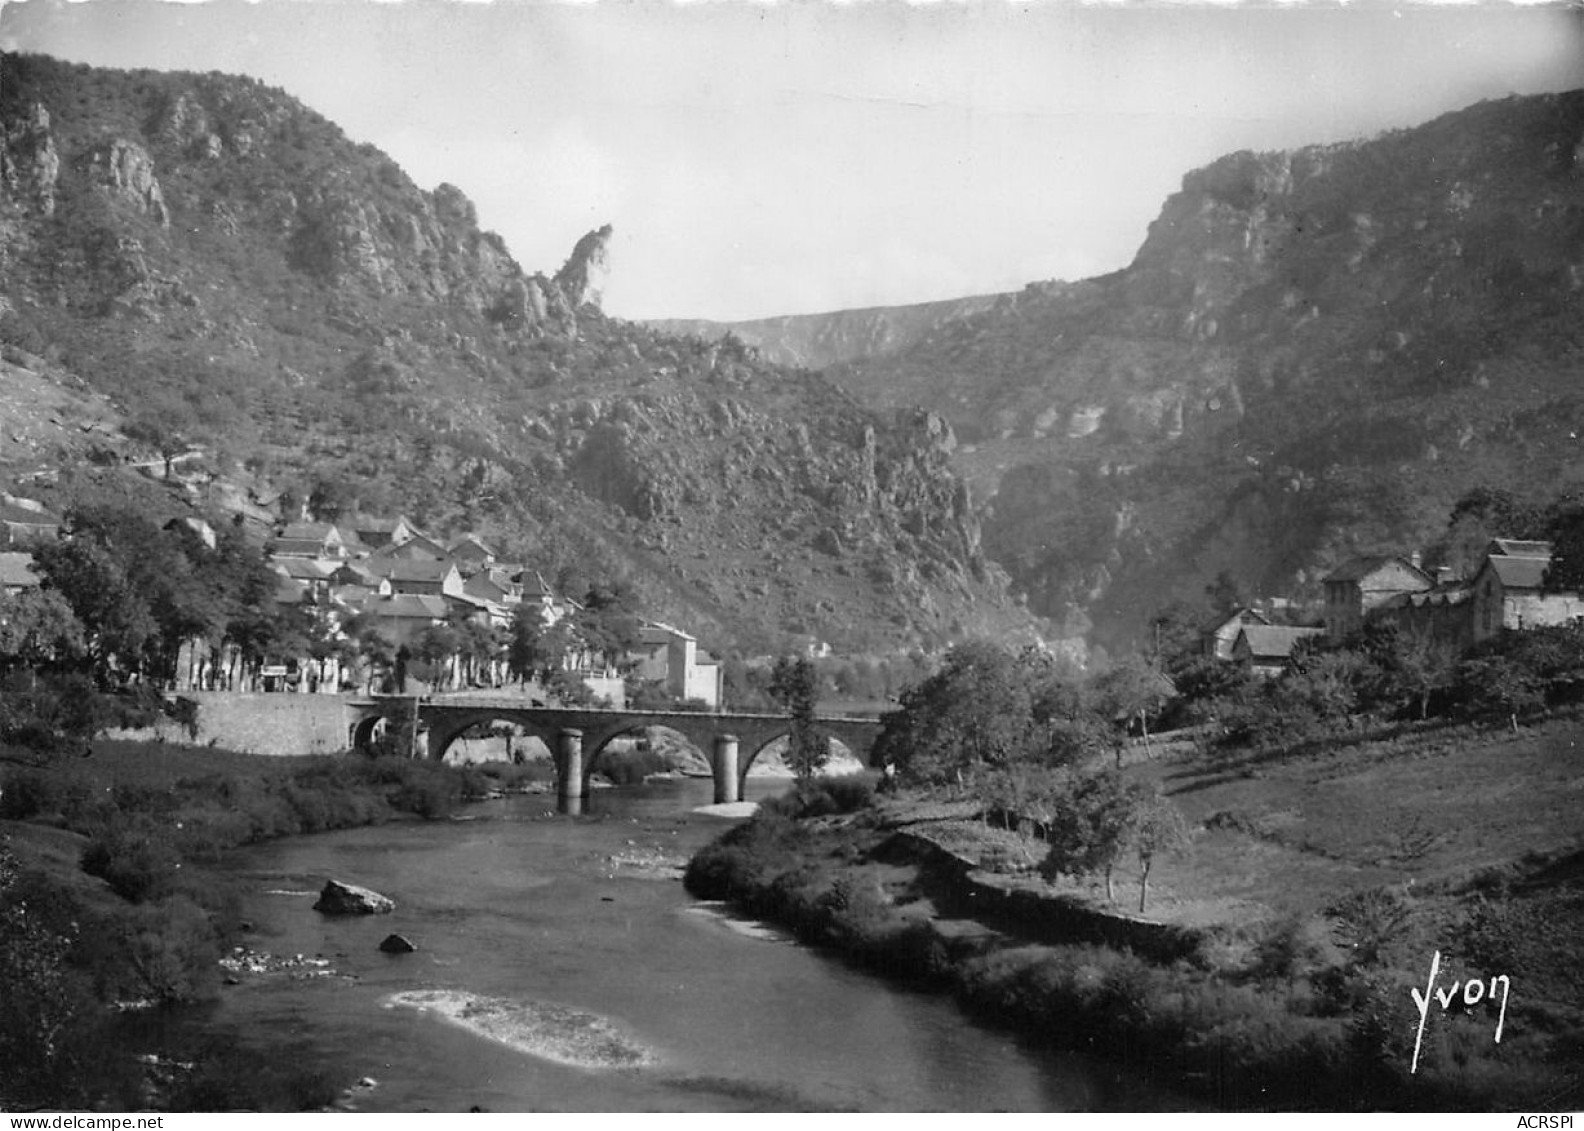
x=597, y=742
x=828, y=733
x=444, y=731
x=360, y=736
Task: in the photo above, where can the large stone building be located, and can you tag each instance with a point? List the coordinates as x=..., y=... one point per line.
x=671, y=657
x=1358, y=587
x=1509, y=591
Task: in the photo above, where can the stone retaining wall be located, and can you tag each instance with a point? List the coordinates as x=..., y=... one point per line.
x=1011, y=903
x=270, y=723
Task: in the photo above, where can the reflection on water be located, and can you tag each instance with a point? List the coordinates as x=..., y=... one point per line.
x=550, y=976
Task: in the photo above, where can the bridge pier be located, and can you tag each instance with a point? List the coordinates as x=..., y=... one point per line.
x=728, y=786
x=570, y=789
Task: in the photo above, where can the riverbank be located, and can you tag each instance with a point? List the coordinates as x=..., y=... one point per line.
x=1278, y=965
x=110, y=914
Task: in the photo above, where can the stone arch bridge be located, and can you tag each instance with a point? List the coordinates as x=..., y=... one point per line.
x=577, y=736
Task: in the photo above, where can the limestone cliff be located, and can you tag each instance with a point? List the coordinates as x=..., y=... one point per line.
x=1312, y=353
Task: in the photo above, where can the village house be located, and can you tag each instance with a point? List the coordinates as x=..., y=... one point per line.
x=1266, y=649
x=309, y=540
x=25, y=522
x=1509, y=591
x=312, y=577
x=378, y=532
x=1216, y=640
x=1358, y=587
x=671, y=657
x=491, y=587
x=419, y=575
x=402, y=616
x=16, y=572
x=471, y=554
x=418, y=547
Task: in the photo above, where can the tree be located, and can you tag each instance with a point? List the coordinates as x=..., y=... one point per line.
x=38, y=629
x=1422, y=666
x=1091, y=823
x=166, y=425
x=376, y=650
x=1226, y=594
x=1156, y=829
x=794, y=684
x=976, y=713
x=1566, y=571
x=1131, y=692
x=1493, y=683
x=607, y=625
x=40, y=1007
x=331, y=498
x=433, y=646
x=534, y=649
x=118, y=618
x=1481, y=514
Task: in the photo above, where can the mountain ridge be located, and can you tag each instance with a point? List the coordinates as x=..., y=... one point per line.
x=224, y=264
x=1313, y=354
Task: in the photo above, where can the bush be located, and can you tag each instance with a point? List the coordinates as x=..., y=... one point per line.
x=138, y=863
x=431, y=791
x=1369, y=921
x=631, y=767
x=822, y=797
x=173, y=949
x=31, y=792
x=227, y=1076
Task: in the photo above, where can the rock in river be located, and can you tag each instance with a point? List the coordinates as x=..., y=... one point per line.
x=338, y=898
x=398, y=944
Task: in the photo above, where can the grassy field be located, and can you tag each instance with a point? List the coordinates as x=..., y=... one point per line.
x=1425, y=811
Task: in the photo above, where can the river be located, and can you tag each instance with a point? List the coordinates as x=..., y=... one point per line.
x=557, y=972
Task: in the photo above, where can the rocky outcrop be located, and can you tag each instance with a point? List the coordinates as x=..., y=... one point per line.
x=339, y=898
x=124, y=171
x=29, y=165
x=398, y=944
x=186, y=125
x=582, y=278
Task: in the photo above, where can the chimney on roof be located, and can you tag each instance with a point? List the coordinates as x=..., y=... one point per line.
x=1414, y=559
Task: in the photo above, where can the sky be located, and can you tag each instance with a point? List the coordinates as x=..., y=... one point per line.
x=759, y=158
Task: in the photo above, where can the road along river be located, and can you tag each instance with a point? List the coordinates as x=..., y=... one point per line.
x=562, y=967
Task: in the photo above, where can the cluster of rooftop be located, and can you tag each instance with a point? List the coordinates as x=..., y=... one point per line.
x=1507, y=592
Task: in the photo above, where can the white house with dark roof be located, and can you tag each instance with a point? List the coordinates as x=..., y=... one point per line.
x=309, y=540
x=1509, y=591
x=1216, y=640
x=419, y=575
x=672, y=657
